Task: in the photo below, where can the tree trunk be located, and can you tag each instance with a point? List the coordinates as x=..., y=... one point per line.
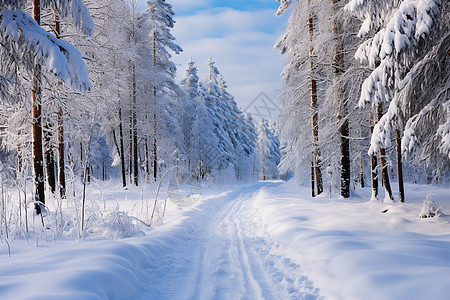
x=130, y=156
x=342, y=114
x=374, y=167
x=38, y=159
x=60, y=132
x=401, y=189
x=147, y=158
x=313, y=194
x=315, y=116
x=345, y=159
x=155, y=158
x=135, y=148
x=122, y=150
x=81, y=159
x=49, y=155
x=61, y=156
x=384, y=170
x=361, y=162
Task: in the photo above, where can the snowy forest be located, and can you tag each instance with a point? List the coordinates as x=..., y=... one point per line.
x=370, y=78
x=107, y=104
x=97, y=134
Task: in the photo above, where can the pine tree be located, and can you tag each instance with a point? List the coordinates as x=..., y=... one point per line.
x=396, y=34
x=269, y=148
x=160, y=18
x=219, y=109
x=191, y=101
x=54, y=56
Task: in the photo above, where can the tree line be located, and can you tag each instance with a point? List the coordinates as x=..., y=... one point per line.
x=366, y=87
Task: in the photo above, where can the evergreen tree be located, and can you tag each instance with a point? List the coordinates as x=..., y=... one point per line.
x=162, y=73
x=397, y=35
x=269, y=151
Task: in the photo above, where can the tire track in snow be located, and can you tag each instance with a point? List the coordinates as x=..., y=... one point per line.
x=235, y=260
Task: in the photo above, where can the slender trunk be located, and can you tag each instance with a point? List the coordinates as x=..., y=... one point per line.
x=399, y=166
x=81, y=159
x=61, y=153
x=361, y=169
x=345, y=159
x=317, y=160
x=85, y=175
x=384, y=170
x=313, y=194
x=38, y=159
x=155, y=149
x=19, y=160
x=315, y=116
x=361, y=174
x=263, y=166
x=147, y=158
x=155, y=158
x=49, y=156
x=122, y=150
x=135, y=148
x=19, y=156
x=133, y=134
x=374, y=167
x=130, y=156
x=342, y=114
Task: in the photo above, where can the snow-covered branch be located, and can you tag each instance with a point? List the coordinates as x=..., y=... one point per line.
x=56, y=56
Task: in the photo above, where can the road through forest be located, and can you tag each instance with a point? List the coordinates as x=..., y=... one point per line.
x=229, y=256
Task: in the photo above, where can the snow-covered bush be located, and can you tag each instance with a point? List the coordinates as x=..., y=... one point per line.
x=429, y=209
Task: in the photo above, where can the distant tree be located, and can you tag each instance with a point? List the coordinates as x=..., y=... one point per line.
x=269, y=151
x=189, y=112
x=219, y=109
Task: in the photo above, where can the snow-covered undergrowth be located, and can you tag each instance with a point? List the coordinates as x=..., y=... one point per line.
x=349, y=249
x=101, y=265
x=261, y=240
x=107, y=213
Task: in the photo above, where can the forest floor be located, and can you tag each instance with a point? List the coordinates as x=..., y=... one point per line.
x=264, y=240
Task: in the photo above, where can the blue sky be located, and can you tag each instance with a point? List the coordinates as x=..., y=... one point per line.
x=239, y=36
x=184, y=7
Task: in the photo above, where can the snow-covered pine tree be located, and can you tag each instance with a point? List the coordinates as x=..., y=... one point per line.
x=246, y=151
x=425, y=102
x=312, y=86
x=162, y=72
x=398, y=34
x=252, y=136
x=204, y=149
x=113, y=53
x=305, y=84
x=219, y=109
x=191, y=101
x=27, y=44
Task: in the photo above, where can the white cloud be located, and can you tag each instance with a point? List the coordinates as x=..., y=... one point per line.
x=241, y=44
x=186, y=5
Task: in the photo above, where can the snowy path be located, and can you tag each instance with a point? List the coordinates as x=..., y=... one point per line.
x=230, y=258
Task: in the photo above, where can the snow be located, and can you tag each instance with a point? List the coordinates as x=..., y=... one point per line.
x=264, y=240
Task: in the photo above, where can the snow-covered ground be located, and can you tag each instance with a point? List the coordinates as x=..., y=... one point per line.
x=266, y=240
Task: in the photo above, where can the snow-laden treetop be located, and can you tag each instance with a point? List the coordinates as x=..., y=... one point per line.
x=55, y=55
x=74, y=8
x=396, y=32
